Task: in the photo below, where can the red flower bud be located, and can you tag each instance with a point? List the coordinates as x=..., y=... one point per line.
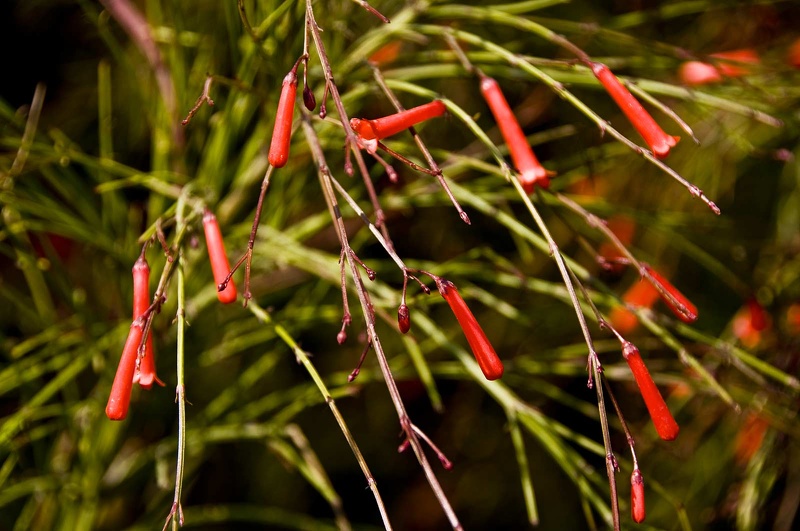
x=483, y=351
x=637, y=496
x=665, y=424
x=220, y=266
x=141, y=302
x=655, y=137
x=282, y=133
x=308, y=98
x=532, y=173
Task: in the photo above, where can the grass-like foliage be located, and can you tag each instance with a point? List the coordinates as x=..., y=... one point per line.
x=540, y=247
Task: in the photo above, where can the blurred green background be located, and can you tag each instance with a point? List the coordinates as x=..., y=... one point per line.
x=108, y=159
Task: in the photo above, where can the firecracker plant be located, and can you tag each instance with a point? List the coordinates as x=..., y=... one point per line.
x=551, y=170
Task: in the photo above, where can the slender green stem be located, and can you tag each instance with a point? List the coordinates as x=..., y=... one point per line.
x=303, y=358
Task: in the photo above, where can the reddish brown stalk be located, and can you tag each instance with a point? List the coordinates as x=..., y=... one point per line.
x=655, y=137
x=482, y=349
x=665, y=424
x=282, y=132
x=674, y=299
x=220, y=267
x=204, y=98
x=146, y=374
x=637, y=496
x=120, y=397
x=532, y=173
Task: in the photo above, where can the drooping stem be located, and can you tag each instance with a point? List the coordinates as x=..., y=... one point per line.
x=369, y=318
x=304, y=360
x=176, y=512
x=351, y=140
x=595, y=368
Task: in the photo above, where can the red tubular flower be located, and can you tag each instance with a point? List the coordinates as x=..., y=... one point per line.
x=282, y=133
x=655, y=137
x=120, y=397
x=641, y=294
x=532, y=173
x=483, y=351
x=220, y=266
x=637, y=496
x=141, y=302
x=387, y=126
x=674, y=299
x=665, y=424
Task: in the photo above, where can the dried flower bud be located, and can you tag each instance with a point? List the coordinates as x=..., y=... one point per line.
x=308, y=98
x=403, y=318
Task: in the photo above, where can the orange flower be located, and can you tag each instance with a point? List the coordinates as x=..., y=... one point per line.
x=793, y=57
x=386, y=54
x=641, y=294
x=749, y=438
x=699, y=73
